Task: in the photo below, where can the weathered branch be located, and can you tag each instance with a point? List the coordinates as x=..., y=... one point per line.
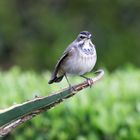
x=12, y=117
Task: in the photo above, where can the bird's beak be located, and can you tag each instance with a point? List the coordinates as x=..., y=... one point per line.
x=89, y=37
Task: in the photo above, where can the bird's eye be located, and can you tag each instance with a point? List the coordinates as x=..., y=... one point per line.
x=82, y=37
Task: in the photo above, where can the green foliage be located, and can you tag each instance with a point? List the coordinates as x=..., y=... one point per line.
x=33, y=34
x=109, y=110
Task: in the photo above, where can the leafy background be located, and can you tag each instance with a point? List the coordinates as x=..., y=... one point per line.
x=33, y=35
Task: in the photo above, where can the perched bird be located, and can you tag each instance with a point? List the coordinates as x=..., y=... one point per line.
x=78, y=58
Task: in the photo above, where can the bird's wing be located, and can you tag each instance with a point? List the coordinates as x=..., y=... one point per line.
x=65, y=55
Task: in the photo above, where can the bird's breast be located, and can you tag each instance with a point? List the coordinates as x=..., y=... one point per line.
x=81, y=61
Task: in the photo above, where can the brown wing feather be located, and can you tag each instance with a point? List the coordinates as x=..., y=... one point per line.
x=54, y=77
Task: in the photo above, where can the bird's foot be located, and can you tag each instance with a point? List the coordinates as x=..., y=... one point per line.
x=89, y=81
x=72, y=89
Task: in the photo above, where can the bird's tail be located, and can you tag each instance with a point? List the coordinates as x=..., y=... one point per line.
x=55, y=79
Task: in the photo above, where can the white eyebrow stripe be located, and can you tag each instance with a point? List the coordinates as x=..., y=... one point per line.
x=83, y=35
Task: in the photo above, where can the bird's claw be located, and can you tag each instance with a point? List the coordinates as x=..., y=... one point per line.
x=72, y=89
x=89, y=81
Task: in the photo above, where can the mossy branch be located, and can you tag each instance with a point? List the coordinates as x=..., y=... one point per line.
x=15, y=115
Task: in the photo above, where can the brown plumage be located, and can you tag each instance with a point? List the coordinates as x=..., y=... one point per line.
x=58, y=73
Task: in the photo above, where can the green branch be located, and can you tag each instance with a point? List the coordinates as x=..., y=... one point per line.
x=20, y=113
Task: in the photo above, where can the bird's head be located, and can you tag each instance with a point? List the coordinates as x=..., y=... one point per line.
x=84, y=35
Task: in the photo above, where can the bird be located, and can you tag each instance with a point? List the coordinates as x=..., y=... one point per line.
x=79, y=58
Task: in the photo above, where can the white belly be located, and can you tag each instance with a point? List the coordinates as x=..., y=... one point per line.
x=80, y=63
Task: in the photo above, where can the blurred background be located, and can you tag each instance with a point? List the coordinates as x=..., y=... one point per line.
x=33, y=35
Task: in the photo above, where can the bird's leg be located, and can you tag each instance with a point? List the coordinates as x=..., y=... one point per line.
x=68, y=82
x=89, y=80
